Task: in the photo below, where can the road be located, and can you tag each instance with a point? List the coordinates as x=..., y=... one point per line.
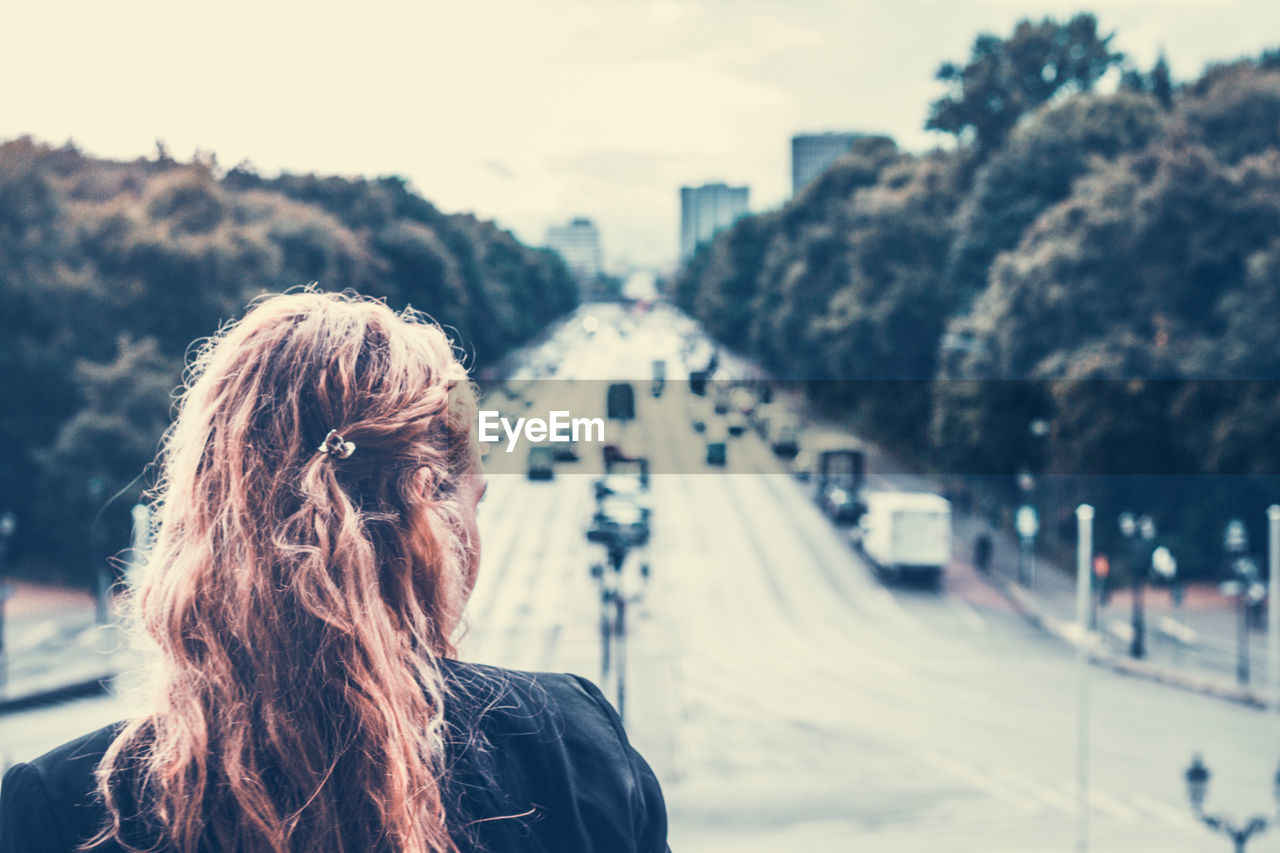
x=787, y=699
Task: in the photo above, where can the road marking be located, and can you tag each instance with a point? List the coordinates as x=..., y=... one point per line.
x=1171, y=627
x=1112, y=806
x=967, y=614
x=90, y=636
x=1044, y=793
x=1169, y=814
x=46, y=630
x=981, y=780
x=1120, y=629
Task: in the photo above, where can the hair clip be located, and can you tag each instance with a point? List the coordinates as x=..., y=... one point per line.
x=336, y=445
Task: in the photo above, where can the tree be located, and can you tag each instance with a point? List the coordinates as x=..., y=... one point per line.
x=165, y=253
x=111, y=439
x=1036, y=168
x=1238, y=114
x=1157, y=82
x=1162, y=82
x=1006, y=78
x=729, y=280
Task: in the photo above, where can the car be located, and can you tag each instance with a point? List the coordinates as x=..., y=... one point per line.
x=841, y=505
x=762, y=415
x=621, y=485
x=717, y=453
x=736, y=422
x=698, y=415
x=659, y=377
x=541, y=463
x=801, y=466
x=717, y=445
x=619, y=522
x=618, y=461
x=838, y=477
x=783, y=434
x=906, y=534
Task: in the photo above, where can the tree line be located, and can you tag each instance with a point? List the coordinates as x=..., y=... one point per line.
x=109, y=270
x=1086, y=284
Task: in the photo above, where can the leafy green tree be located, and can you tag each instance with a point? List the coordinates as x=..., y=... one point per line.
x=1161, y=81
x=1158, y=82
x=109, y=270
x=1036, y=169
x=111, y=440
x=1238, y=114
x=189, y=199
x=1006, y=78
x=1145, y=248
x=798, y=266
x=729, y=280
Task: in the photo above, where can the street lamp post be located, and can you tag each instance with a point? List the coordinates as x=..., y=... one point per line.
x=1197, y=776
x=8, y=526
x=98, y=568
x=1139, y=534
x=1027, y=523
x=1235, y=541
x=1273, y=618
x=1084, y=597
x=1165, y=567
x=1141, y=568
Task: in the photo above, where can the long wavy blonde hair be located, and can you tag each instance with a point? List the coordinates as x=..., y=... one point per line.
x=297, y=602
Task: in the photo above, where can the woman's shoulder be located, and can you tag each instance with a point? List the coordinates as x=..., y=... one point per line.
x=524, y=699
x=557, y=747
x=558, y=718
x=52, y=796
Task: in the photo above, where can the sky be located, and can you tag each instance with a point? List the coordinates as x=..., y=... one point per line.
x=531, y=112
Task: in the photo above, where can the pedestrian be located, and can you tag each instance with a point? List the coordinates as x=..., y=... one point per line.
x=1102, y=574
x=982, y=547
x=316, y=544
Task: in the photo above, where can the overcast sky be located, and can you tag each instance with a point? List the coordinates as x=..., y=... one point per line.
x=531, y=112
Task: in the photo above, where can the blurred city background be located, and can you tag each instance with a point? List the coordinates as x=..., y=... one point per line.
x=936, y=345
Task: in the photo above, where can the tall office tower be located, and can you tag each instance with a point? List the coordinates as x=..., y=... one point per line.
x=706, y=210
x=579, y=244
x=813, y=152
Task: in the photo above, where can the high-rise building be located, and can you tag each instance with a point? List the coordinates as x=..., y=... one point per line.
x=811, y=153
x=579, y=244
x=706, y=210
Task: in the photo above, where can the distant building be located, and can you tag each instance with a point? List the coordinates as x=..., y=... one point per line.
x=811, y=153
x=579, y=244
x=706, y=210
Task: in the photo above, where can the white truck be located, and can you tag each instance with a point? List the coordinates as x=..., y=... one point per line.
x=906, y=534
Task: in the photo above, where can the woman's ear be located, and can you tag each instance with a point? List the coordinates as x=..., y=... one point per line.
x=420, y=480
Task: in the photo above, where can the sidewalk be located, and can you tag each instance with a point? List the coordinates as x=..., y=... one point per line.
x=54, y=648
x=1193, y=646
